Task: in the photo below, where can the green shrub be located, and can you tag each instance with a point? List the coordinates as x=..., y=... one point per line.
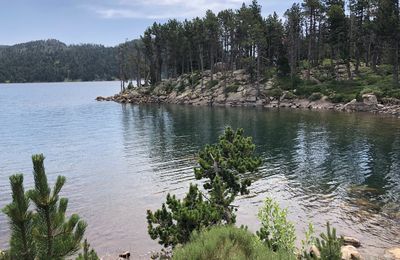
x=232, y=88
x=221, y=167
x=88, y=253
x=276, y=231
x=275, y=93
x=315, y=96
x=394, y=93
x=329, y=245
x=290, y=95
x=372, y=90
x=372, y=79
x=211, y=83
x=181, y=87
x=226, y=242
x=169, y=87
x=308, y=242
x=306, y=91
x=194, y=79
x=341, y=98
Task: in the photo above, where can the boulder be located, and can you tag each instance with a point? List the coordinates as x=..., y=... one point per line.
x=370, y=99
x=393, y=254
x=350, y=253
x=354, y=106
x=351, y=241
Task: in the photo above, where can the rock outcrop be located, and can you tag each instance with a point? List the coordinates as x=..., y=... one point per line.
x=233, y=88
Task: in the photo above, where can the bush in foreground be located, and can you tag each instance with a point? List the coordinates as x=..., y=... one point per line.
x=226, y=242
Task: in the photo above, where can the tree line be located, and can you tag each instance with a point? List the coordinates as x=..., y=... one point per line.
x=52, y=60
x=351, y=33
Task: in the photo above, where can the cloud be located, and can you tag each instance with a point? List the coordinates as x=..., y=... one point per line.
x=162, y=9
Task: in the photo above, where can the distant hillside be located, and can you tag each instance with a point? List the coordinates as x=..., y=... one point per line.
x=52, y=60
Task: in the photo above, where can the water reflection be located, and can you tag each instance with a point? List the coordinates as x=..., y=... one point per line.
x=120, y=160
x=326, y=166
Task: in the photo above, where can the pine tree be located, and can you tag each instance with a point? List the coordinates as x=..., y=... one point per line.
x=330, y=245
x=55, y=235
x=222, y=166
x=44, y=233
x=20, y=221
x=88, y=254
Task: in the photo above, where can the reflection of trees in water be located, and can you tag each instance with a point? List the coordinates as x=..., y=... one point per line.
x=319, y=153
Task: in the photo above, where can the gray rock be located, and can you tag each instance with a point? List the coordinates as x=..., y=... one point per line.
x=370, y=99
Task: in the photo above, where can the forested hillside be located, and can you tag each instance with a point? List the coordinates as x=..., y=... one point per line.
x=326, y=46
x=52, y=60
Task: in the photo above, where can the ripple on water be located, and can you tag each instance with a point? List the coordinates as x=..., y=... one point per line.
x=121, y=160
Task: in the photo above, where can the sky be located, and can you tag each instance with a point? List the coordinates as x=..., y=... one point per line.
x=107, y=22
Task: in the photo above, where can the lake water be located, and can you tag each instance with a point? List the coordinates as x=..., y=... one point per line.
x=120, y=160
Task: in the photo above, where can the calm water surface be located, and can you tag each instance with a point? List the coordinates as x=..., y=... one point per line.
x=120, y=160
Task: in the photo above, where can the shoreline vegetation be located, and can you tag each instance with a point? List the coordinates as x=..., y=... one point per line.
x=201, y=225
x=234, y=88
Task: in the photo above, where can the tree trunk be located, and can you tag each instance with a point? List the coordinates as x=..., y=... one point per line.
x=396, y=63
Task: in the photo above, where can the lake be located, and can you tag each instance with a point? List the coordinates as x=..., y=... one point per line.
x=120, y=160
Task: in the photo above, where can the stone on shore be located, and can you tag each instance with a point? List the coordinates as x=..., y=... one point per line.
x=350, y=253
x=393, y=254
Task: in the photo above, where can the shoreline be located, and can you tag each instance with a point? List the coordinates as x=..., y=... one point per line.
x=237, y=90
x=368, y=105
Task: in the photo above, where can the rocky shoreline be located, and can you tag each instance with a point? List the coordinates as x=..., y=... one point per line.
x=237, y=91
x=369, y=103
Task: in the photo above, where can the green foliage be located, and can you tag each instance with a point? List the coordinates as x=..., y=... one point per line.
x=212, y=83
x=308, y=242
x=180, y=87
x=45, y=233
x=55, y=236
x=20, y=218
x=395, y=93
x=175, y=221
x=169, y=87
x=233, y=156
x=226, y=242
x=51, y=60
x=4, y=255
x=220, y=166
x=329, y=245
x=88, y=254
x=315, y=96
x=275, y=93
x=372, y=90
x=341, y=98
x=276, y=231
x=289, y=95
x=194, y=79
x=232, y=88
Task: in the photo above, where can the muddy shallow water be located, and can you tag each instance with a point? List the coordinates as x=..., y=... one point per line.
x=120, y=160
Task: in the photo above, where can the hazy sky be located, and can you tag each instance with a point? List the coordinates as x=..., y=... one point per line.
x=107, y=22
